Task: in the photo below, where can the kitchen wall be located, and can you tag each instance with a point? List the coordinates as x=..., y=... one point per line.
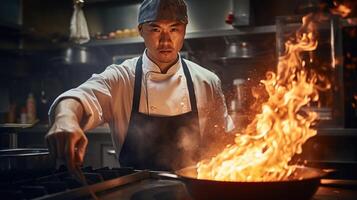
x=44, y=34
x=30, y=56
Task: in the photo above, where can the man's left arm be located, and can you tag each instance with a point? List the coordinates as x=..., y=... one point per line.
x=220, y=112
x=219, y=126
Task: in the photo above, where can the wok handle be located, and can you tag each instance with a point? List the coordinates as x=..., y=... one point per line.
x=168, y=175
x=165, y=175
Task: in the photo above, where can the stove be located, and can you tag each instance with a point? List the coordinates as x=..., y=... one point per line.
x=126, y=184
x=106, y=183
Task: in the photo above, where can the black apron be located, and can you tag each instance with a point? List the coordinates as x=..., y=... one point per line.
x=161, y=143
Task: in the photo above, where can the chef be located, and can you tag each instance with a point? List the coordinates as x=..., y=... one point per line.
x=162, y=110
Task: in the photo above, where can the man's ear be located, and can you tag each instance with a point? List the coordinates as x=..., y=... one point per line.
x=140, y=29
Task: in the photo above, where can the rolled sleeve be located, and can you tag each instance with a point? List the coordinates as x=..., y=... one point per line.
x=95, y=98
x=220, y=104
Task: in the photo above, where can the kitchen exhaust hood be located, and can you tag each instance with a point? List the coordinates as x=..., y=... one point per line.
x=11, y=13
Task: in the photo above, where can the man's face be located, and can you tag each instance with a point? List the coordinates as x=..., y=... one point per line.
x=163, y=40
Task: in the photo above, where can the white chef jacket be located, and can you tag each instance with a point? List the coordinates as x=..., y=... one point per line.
x=107, y=97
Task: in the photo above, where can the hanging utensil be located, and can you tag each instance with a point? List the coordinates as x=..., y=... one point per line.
x=78, y=29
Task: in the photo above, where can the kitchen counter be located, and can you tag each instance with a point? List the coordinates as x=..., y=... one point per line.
x=43, y=128
x=135, y=184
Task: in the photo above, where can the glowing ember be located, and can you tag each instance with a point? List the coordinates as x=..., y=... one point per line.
x=353, y=103
x=277, y=133
x=341, y=9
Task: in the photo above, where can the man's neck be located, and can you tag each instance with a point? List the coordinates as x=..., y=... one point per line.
x=164, y=67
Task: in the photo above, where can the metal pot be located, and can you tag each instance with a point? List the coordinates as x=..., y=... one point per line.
x=294, y=189
x=77, y=56
x=25, y=159
x=239, y=50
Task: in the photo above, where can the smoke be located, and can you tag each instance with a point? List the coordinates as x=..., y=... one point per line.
x=169, y=145
x=189, y=141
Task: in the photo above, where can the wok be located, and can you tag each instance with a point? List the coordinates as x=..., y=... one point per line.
x=292, y=189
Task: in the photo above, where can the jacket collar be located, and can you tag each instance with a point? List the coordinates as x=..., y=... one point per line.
x=151, y=67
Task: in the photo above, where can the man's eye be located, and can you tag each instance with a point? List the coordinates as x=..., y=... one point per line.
x=155, y=30
x=174, y=29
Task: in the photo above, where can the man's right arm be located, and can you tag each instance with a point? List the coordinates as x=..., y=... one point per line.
x=80, y=109
x=65, y=138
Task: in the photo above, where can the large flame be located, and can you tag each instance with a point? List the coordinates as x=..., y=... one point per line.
x=277, y=133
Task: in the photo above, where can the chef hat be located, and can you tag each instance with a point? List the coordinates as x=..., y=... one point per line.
x=152, y=10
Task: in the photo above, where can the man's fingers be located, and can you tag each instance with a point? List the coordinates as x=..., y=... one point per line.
x=75, y=149
x=81, y=148
x=52, y=148
x=70, y=153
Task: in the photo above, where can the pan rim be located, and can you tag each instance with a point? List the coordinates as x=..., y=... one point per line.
x=321, y=173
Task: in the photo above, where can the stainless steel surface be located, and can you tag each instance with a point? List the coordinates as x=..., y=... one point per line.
x=13, y=143
x=203, y=16
x=12, y=129
x=78, y=56
x=245, y=31
x=28, y=152
x=239, y=49
x=200, y=34
x=147, y=185
x=98, y=187
x=150, y=189
x=25, y=159
x=242, y=13
x=323, y=61
x=105, y=19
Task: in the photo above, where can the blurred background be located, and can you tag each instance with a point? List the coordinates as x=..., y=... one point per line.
x=239, y=40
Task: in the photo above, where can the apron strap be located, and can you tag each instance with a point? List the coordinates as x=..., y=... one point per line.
x=137, y=85
x=138, y=81
x=191, y=89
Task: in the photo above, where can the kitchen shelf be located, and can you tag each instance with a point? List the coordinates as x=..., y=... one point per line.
x=131, y=40
x=15, y=127
x=233, y=32
x=242, y=31
x=193, y=35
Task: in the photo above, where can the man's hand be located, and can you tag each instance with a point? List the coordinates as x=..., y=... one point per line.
x=65, y=139
x=67, y=142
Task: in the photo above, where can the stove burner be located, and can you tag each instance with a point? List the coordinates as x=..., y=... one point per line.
x=32, y=184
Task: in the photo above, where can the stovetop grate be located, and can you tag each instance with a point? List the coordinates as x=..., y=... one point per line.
x=27, y=185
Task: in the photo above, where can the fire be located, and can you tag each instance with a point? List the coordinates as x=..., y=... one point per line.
x=278, y=132
x=341, y=9
x=353, y=103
